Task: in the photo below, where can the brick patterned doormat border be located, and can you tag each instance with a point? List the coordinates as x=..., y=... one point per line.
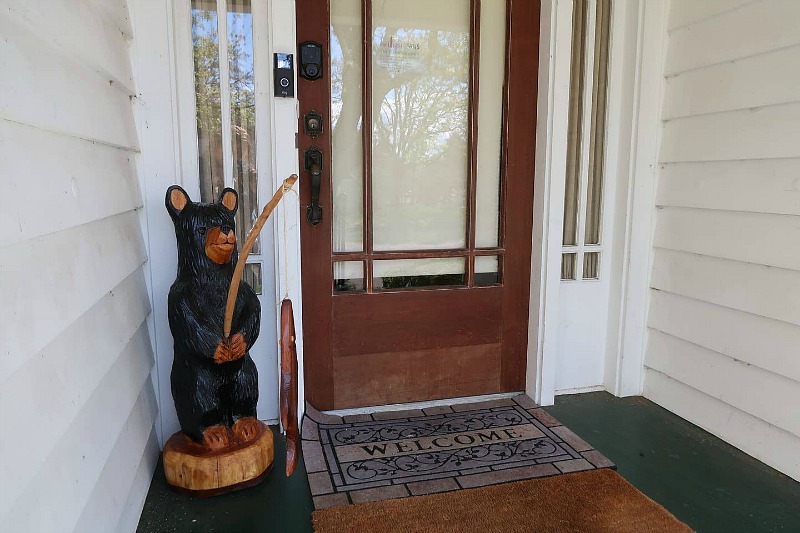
x=378, y=456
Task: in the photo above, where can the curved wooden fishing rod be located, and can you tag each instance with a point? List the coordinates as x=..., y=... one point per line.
x=233, y=291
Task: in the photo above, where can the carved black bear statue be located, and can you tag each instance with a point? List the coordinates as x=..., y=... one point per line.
x=214, y=380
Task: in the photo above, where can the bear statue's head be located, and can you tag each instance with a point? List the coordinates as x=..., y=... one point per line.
x=205, y=232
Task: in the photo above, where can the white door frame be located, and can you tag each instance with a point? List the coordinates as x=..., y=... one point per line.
x=635, y=85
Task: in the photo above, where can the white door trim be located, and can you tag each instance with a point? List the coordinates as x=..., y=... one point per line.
x=645, y=49
x=555, y=46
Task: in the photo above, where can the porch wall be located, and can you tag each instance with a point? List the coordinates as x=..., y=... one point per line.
x=78, y=444
x=723, y=345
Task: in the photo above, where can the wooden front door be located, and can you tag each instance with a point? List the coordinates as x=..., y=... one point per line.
x=416, y=279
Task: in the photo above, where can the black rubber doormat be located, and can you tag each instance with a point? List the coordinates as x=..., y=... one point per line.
x=378, y=456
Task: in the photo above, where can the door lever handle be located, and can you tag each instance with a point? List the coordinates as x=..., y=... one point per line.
x=313, y=164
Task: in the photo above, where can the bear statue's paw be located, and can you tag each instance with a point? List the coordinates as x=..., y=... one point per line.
x=216, y=437
x=246, y=429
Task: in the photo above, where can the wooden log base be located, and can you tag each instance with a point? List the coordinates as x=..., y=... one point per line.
x=194, y=469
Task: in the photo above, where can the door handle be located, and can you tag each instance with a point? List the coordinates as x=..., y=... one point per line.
x=313, y=165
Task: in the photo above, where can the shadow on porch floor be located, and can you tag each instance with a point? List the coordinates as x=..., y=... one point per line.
x=708, y=484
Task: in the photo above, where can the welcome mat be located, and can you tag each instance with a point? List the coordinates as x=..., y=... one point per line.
x=378, y=456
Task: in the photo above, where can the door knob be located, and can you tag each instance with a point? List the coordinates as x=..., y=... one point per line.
x=313, y=164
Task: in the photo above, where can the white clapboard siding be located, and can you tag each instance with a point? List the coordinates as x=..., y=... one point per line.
x=74, y=268
x=751, y=29
x=750, y=82
x=741, y=134
x=78, y=29
x=115, y=11
x=766, y=442
x=56, y=93
x=101, y=513
x=132, y=507
x=85, y=182
x=740, y=335
x=79, y=457
x=78, y=442
x=723, y=322
x=756, y=289
x=748, y=388
x=749, y=237
x=92, y=343
x=683, y=12
x=757, y=185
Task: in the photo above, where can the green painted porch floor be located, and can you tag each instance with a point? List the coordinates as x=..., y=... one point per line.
x=703, y=481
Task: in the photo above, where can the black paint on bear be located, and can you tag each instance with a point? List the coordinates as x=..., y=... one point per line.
x=207, y=393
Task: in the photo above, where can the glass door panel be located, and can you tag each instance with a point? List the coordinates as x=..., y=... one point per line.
x=420, y=97
x=424, y=182
x=346, y=126
x=490, y=123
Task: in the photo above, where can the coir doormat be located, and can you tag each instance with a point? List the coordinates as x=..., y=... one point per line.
x=599, y=501
x=378, y=456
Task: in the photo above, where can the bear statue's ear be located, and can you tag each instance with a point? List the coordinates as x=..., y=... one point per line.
x=176, y=200
x=229, y=199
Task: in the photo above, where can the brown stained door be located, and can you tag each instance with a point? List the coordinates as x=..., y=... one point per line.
x=416, y=281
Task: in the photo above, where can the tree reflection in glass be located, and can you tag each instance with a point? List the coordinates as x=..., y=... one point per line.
x=420, y=81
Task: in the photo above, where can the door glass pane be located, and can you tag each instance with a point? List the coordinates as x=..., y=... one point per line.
x=348, y=276
x=407, y=273
x=346, y=125
x=205, y=48
x=420, y=77
x=243, y=120
x=487, y=270
x=491, y=75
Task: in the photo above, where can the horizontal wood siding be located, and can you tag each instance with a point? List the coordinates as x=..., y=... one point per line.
x=723, y=346
x=77, y=401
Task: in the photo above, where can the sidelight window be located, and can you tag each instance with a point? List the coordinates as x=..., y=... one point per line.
x=225, y=110
x=582, y=246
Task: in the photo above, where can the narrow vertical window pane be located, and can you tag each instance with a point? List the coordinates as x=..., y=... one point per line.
x=243, y=114
x=591, y=265
x=568, y=266
x=346, y=126
x=594, y=191
x=490, y=122
x=420, y=80
x=205, y=48
x=252, y=275
x=576, y=84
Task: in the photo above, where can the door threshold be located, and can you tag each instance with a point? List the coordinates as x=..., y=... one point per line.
x=421, y=405
x=579, y=390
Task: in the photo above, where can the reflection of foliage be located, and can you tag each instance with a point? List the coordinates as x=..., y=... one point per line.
x=422, y=102
x=241, y=89
x=419, y=98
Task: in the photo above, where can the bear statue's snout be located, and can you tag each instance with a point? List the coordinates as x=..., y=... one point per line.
x=220, y=241
x=226, y=236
